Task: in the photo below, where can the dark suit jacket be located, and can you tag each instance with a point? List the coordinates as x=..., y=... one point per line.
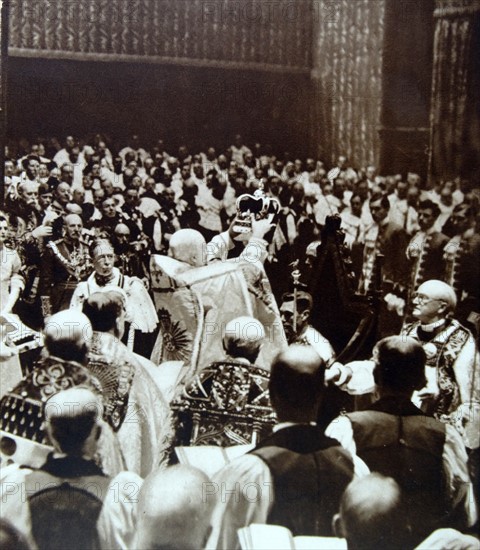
x=310, y=472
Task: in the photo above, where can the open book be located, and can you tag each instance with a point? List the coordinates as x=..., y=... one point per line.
x=266, y=537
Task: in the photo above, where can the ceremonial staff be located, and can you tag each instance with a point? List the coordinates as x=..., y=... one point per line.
x=296, y=282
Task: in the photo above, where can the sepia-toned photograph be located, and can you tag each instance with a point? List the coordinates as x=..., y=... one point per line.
x=240, y=274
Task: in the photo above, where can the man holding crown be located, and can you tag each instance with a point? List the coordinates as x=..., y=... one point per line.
x=199, y=288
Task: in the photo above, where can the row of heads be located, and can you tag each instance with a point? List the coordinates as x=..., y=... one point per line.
x=296, y=387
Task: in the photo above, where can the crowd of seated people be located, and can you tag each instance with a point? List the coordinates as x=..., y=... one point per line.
x=79, y=227
x=138, y=197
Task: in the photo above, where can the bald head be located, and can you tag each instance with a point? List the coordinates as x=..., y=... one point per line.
x=189, y=246
x=243, y=337
x=73, y=420
x=67, y=334
x=28, y=186
x=73, y=208
x=62, y=193
x=371, y=512
x=173, y=512
x=122, y=235
x=72, y=218
x=85, y=400
x=296, y=384
x=299, y=359
x=122, y=229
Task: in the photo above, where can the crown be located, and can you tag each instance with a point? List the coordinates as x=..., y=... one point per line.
x=258, y=204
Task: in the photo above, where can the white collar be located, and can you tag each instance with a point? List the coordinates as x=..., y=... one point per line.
x=430, y=327
x=283, y=425
x=60, y=454
x=113, y=281
x=242, y=360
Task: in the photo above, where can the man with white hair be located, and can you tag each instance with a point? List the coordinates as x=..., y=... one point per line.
x=199, y=278
x=230, y=394
x=189, y=246
x=172, y=512
x=452, y=390
x=453, y=385
x=70, y=501
x=30, y=229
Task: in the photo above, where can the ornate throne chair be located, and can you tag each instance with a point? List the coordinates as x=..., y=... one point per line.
x=226, y=404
